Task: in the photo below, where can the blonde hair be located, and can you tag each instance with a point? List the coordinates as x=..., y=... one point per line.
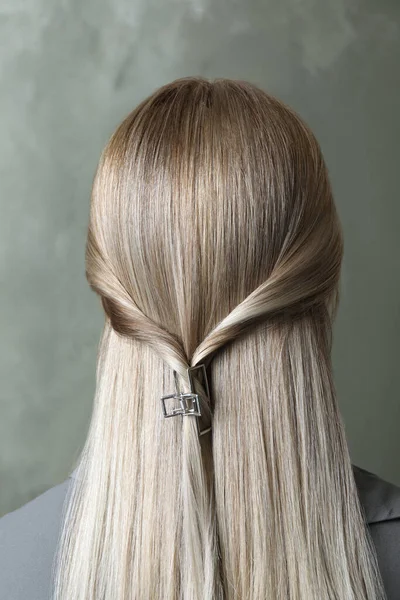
x=214, y=238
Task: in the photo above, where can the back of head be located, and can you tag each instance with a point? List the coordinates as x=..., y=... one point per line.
x=214, y=239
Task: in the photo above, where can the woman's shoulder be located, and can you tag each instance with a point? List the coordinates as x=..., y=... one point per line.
x=28, y=541
x=379, y=497
x=380, y=500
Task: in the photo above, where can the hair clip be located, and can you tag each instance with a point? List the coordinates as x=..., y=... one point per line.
x=189, y=402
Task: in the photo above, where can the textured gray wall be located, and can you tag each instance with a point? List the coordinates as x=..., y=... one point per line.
x=69, y=72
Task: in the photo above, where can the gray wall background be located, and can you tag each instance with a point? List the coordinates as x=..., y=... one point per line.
x=70, y=71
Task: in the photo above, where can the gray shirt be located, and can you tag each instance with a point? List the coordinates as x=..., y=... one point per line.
x=29, y=535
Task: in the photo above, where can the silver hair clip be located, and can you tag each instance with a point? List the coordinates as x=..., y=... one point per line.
x=189, y=402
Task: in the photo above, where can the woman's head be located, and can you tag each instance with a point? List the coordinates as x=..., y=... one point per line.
x=207, y=192
x=214, y=238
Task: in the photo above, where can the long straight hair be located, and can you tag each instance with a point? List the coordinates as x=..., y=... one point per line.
x=214, y=239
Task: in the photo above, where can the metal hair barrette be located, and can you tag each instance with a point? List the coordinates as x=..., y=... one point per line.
x=189, y=402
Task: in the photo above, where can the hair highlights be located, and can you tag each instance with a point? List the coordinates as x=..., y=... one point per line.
x=214, y=238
